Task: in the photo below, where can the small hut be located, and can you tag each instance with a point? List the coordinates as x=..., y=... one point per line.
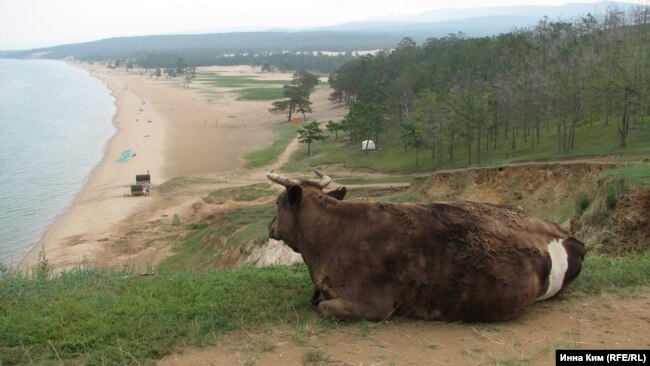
x=143, y=179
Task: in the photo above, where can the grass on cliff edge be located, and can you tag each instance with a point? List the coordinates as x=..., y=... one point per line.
x=107, y=317
x=89, y=316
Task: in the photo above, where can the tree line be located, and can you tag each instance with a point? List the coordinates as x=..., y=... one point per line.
x=285, y=51
x=457, y=92
x=274, y=61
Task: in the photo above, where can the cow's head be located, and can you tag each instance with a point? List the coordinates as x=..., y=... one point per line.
x=299, y=199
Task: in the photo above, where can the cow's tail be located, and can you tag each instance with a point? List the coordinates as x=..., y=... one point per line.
x=576, y=251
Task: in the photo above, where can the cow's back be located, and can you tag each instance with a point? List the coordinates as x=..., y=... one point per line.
x=451, y=261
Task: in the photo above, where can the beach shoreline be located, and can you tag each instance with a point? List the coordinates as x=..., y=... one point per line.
x=51, y=241
x=31, y=256
x=174, y=131
x=202, y=131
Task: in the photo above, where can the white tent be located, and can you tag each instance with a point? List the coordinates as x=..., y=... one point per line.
x=367, y=145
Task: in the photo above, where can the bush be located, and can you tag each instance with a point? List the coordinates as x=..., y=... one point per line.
x=583, y=202
x=613, y=191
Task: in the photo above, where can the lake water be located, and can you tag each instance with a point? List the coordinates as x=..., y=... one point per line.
x=55, y=121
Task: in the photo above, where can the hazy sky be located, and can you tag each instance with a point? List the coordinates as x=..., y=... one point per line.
x=38, y=23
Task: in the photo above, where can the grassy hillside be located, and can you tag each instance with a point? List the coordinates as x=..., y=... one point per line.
x=591, y=141
x=113, y=317
x=90, y=316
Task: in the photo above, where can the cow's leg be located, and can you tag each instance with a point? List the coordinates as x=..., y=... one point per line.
x=317, y=297
x=345, y=309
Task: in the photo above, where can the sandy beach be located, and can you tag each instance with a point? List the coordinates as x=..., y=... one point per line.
x=173, y=131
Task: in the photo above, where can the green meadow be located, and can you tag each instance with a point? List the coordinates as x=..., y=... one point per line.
x=90, y=316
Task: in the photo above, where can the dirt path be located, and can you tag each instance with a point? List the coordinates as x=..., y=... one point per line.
x=286, y=154
x=575, y=321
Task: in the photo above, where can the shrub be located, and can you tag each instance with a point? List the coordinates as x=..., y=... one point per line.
x=583, y=202
x=613, y=191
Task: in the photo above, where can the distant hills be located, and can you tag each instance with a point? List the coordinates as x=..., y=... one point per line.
x=376, y=33
x=236, y=42
x=531, y=11
x=473, y=27
x=475, y=22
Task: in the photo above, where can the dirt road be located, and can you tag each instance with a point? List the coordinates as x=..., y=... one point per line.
x=573, y=321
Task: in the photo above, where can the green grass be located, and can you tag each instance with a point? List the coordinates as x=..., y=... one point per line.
x=260, y=94
x=248, y=88
x=611, y=273
x=217, y=80
x=637, y=174
x=595, y=140
x=89, y=316
x=104, y=317
x=203, y=247
x=284, y=133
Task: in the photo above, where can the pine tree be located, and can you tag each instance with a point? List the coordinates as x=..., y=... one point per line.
x=309, y=134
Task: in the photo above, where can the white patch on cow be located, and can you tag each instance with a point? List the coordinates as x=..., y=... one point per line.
x=559, y=266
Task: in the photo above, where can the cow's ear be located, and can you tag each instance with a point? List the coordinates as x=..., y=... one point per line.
x=294, y=194
x=338, y=193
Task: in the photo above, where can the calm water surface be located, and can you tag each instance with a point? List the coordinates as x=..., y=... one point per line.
x=55, y=121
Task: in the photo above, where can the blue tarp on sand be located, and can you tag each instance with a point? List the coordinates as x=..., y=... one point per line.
x=126, y=155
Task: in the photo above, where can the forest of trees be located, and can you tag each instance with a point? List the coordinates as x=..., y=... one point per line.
x=457, y=93
x=268, y=61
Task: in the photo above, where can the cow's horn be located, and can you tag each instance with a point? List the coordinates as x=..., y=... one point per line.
x=279, y=179
x=324, y=179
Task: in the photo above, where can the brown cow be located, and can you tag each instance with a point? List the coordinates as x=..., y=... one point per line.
x=445, y=261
